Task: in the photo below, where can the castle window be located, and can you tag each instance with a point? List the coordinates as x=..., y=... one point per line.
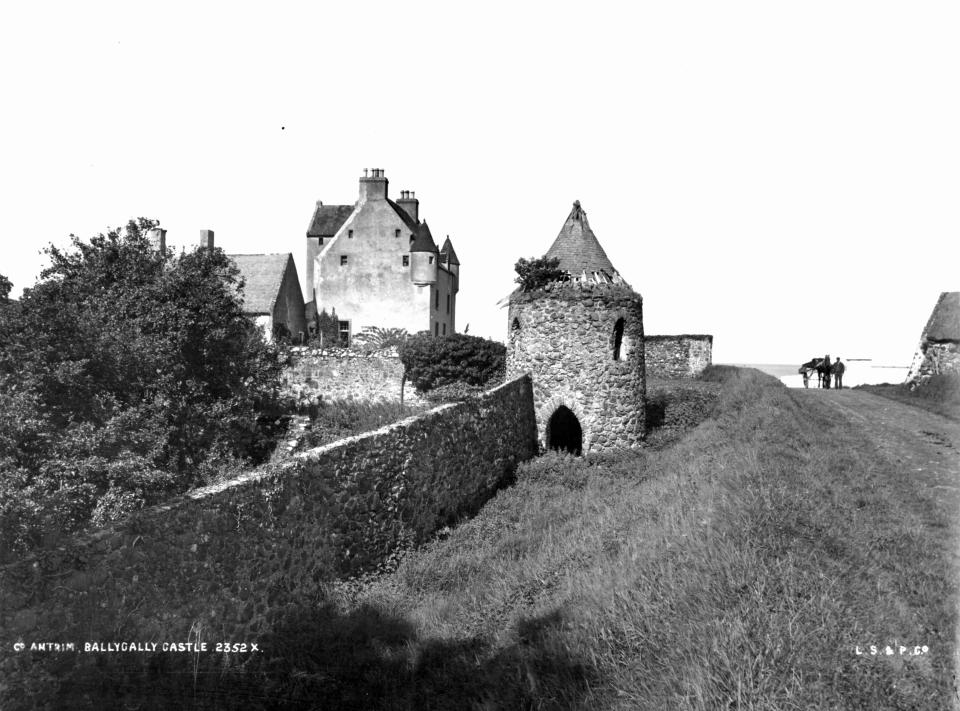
x=436, y=328
x=448, y=303
x=617, y=338
x=349, y=234
x=444, y=329
x=436, y=300
x=320, y=241
x=406, y=260
x=343, y=260
x=344, y=331
x=431, y=260
x=396, y=233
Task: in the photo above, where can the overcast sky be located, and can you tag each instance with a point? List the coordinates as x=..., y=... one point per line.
x=784, y=176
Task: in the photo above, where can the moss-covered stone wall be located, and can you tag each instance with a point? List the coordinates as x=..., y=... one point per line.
x=226, y=562
x=340, y=374
x=680, y=356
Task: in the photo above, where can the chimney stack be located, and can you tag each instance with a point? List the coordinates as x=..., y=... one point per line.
x=206, y=239
x=374, y=186
x=410, y=204
x=158, y=238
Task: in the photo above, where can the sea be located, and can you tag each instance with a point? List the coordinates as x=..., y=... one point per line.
x=858, y=372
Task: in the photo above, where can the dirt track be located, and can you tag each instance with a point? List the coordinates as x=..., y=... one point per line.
x=921, y=444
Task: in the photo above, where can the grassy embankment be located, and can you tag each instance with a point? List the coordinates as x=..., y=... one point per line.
x=940, y=394
x=739, y=568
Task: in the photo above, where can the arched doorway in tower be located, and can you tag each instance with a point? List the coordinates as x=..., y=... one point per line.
x=564, y=431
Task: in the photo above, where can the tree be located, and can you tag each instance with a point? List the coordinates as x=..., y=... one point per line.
x=132, y=371
x=537, y=272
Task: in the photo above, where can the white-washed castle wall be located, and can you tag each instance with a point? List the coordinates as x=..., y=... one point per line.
x=680, y=356
x=565, y=335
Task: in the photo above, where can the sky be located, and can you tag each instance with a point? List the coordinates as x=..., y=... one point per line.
x=784, y=176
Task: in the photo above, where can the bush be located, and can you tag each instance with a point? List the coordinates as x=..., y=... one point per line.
x=124, y=372
x=430, y=362
x=535, y=273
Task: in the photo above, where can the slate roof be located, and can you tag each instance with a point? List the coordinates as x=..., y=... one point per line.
x=407, y=220
x=263, y=275
x=327, y=219
x=447, y=249
x=423, y=240
x=944, y=324
x=578, y=249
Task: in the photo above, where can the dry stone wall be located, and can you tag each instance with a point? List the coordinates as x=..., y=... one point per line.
x=565, y=336
x=680, y=356
x=340, y=374
x=232, y=559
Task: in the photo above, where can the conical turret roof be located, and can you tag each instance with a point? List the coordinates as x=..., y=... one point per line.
x=423, y=240
x=579, y=251
x=447, y=249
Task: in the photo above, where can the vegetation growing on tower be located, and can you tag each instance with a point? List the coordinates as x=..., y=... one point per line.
x=537, y=272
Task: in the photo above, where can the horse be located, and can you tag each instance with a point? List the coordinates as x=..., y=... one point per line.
x=814, y=364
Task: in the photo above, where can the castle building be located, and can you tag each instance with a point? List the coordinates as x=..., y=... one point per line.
x=376, y=264
x=582, y=342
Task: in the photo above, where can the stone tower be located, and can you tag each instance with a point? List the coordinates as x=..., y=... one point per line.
x=582, y=342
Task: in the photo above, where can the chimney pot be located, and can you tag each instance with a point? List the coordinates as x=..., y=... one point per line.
x=365, y=172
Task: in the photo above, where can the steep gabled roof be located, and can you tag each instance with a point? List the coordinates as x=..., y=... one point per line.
x=423, y=240
x=327, y=219
x=944, y=323
x=262, y=275
x=447, y=249
x=407, y=220
x=578, y=249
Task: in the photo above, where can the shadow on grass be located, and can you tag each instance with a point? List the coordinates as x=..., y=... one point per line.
x=364, y=659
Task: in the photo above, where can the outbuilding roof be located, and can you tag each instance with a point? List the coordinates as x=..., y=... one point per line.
x=262, y=275
x=944, y=324
x=578, y=249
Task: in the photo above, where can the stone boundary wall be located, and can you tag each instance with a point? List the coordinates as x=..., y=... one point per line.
x=341, y=374
x=234, y=558
x=680, y=356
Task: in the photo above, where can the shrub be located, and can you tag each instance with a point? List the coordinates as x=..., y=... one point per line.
x=535, y=273
x=430, y=362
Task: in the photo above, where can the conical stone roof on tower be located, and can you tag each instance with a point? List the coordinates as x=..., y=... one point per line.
x=579, y=251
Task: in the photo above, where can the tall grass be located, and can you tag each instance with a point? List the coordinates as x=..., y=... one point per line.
x=739, y=569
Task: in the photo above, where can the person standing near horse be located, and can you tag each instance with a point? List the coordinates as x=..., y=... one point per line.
x=826, y=371
x=837, y=370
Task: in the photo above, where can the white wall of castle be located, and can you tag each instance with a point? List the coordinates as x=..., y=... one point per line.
x=374, y=287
